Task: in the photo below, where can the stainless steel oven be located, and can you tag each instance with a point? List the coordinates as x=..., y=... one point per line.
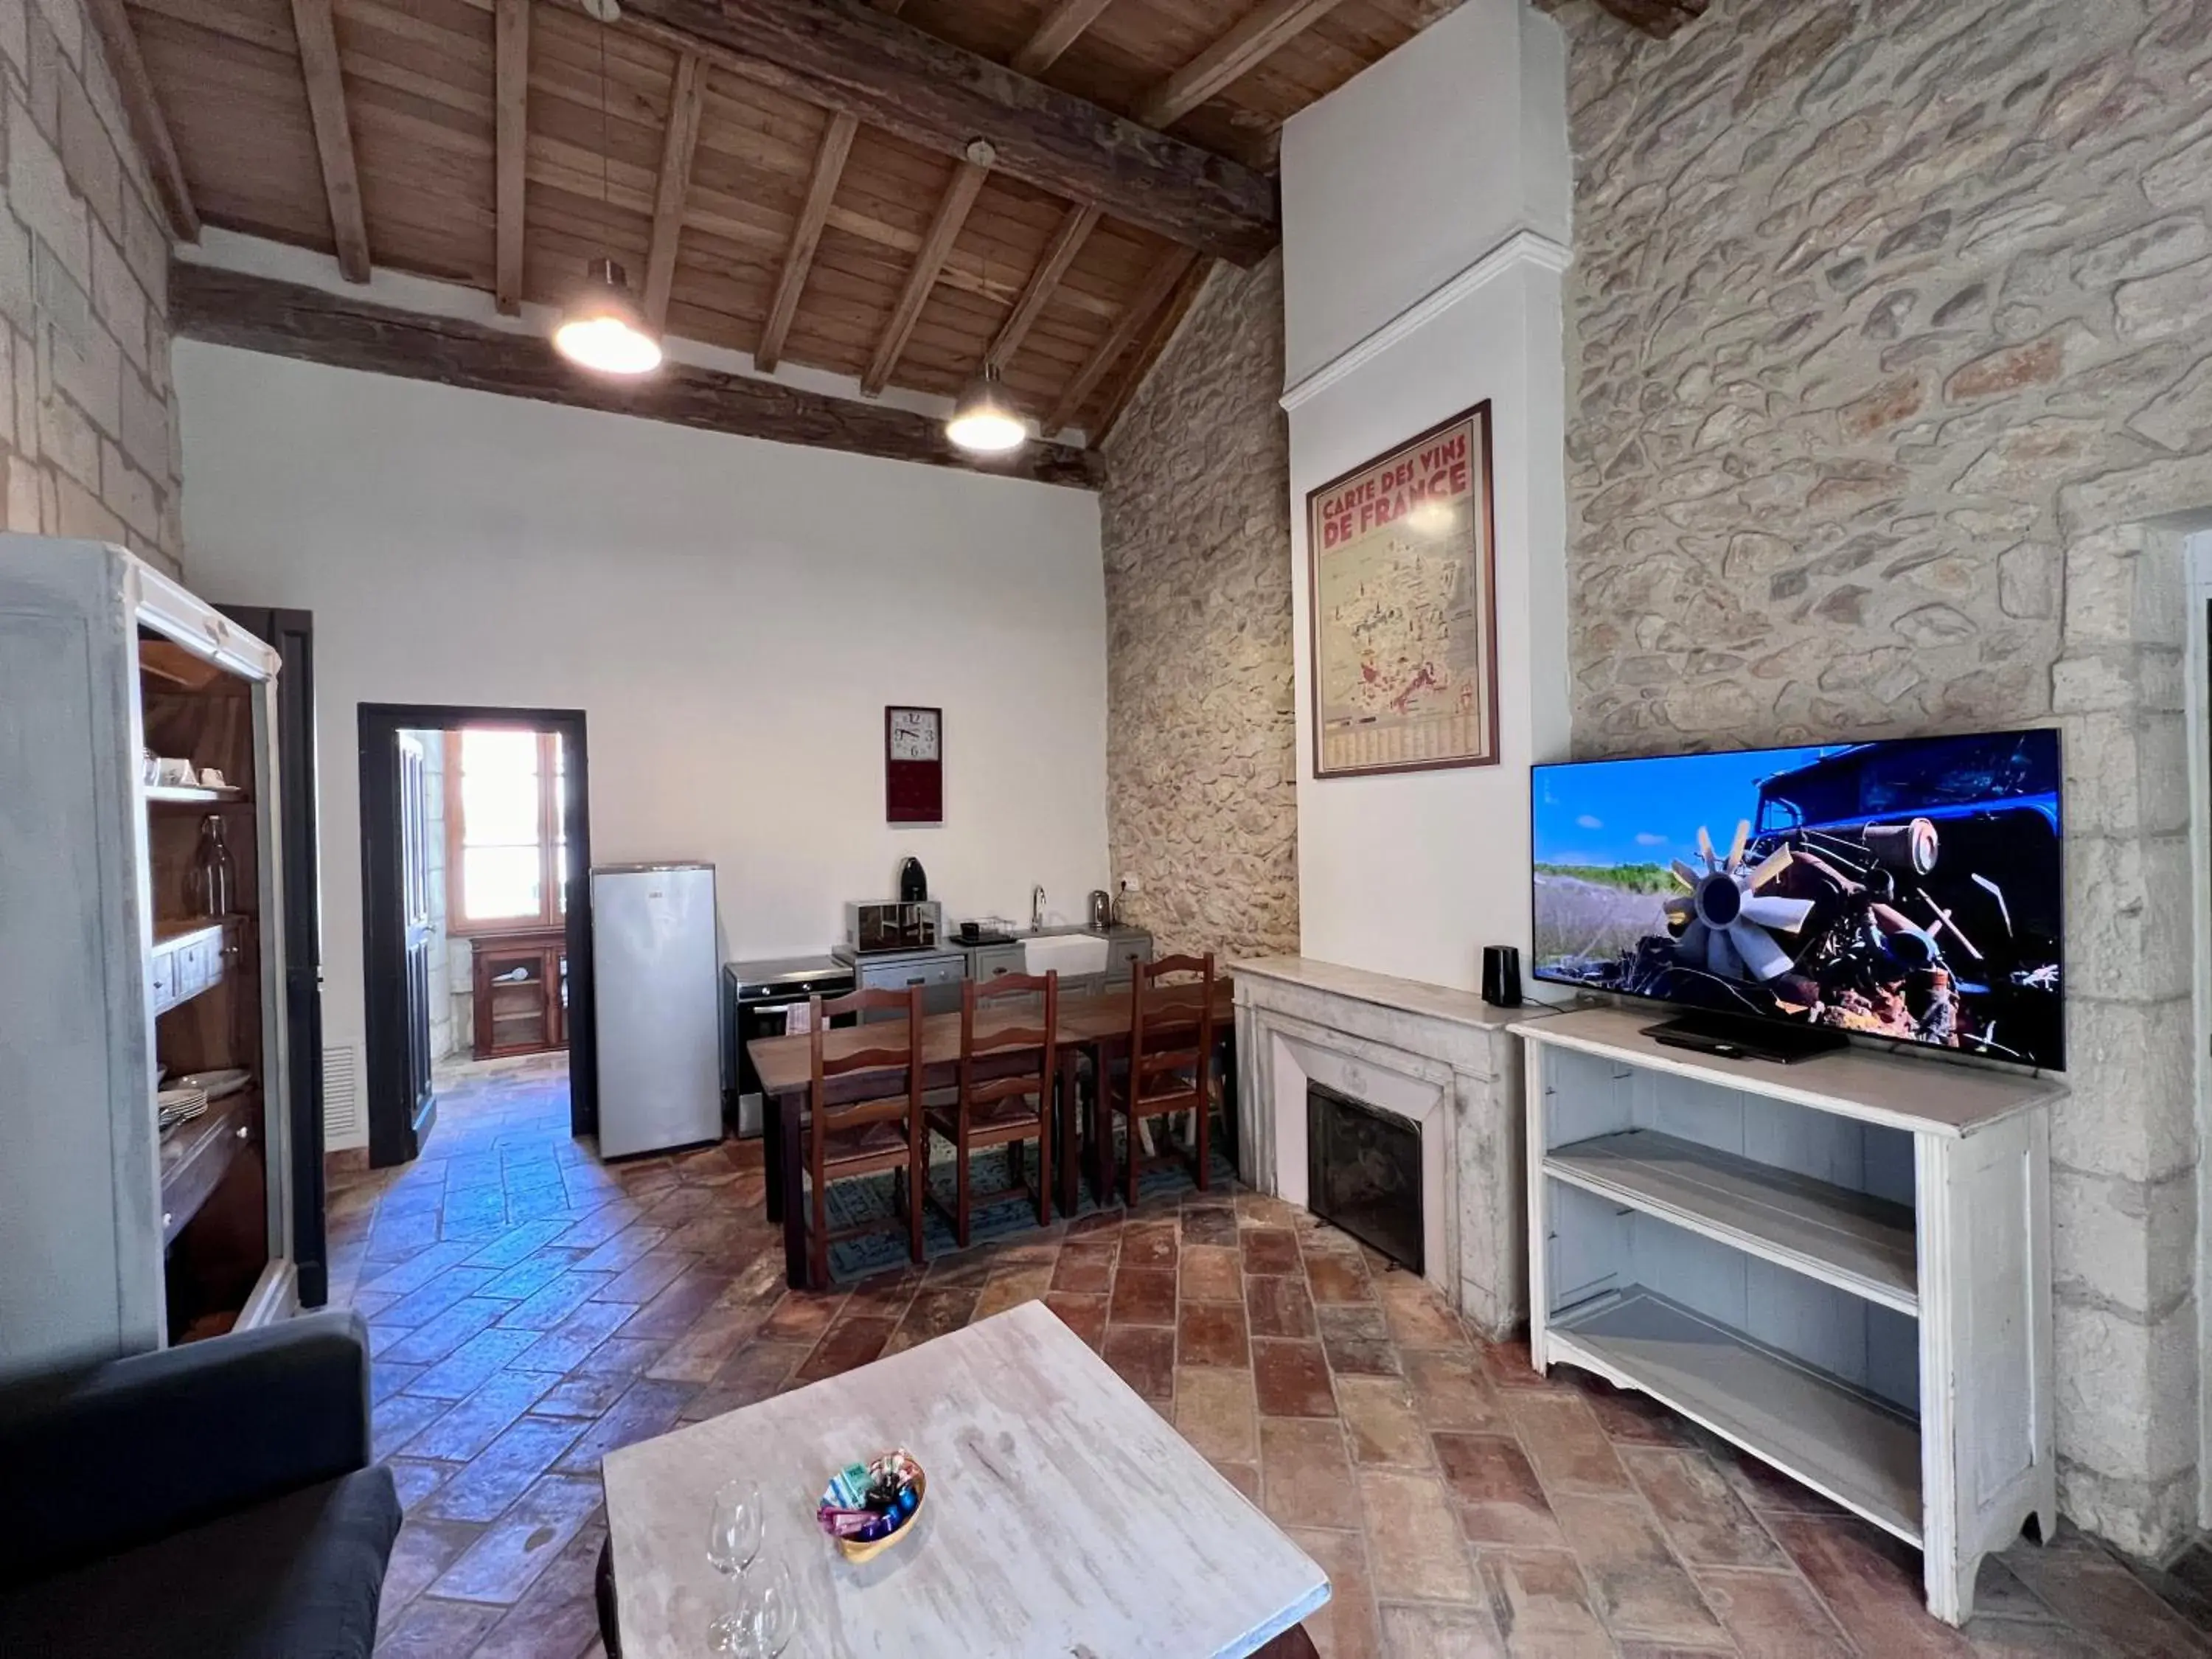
x=757, y=998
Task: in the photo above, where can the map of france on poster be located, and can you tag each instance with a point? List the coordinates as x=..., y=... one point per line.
x=1403, y=635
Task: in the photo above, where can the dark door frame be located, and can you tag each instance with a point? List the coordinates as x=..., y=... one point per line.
x=293, y=634
x=396, y=1133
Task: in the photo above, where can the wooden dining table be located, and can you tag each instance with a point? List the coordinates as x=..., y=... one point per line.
x=1097, y=1026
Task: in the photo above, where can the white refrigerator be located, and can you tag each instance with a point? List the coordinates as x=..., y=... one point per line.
x=653, y=968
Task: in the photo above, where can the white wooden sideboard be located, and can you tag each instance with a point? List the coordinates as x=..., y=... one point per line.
x=1842, y=1267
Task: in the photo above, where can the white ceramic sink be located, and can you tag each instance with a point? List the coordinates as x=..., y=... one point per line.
x=1065, y=953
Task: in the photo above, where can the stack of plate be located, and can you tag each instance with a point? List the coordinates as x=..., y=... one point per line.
x=175, y=1106
x=216, y=1085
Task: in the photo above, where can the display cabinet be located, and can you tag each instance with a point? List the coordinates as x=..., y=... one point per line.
x=125, y=963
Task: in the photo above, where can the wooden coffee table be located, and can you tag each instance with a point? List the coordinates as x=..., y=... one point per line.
x=1065, y=1517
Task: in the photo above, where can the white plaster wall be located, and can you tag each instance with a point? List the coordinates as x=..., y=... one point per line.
x=732, y=615
x=1414, y=169
x=1412, y=874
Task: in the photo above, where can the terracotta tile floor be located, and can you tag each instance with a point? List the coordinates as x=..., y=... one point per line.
x=533, y=1310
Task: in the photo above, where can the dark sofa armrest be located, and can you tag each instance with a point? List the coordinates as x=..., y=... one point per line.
x=96, y=1460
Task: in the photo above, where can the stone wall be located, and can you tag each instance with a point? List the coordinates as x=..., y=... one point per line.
x=1201, y=780
x=1886, y=337
x=87, y=436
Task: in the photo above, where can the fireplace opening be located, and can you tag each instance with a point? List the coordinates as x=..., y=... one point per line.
x=1363, y=1173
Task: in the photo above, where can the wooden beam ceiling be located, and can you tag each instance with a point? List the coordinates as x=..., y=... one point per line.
x=1257, y=35
x=1159, y=283
x=1068, y=242
x=1066, y=20
x=143, y=110
x=256, y=313
x=847, y=57
x=805, y=236
x=327, y=107
x=1155, y=341
x=687, y=99
x=944, y=230
x=511, y=146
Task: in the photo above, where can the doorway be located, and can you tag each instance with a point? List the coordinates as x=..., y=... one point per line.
x=476, y=927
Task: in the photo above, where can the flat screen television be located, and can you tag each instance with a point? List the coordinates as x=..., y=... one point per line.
x=1910, y=889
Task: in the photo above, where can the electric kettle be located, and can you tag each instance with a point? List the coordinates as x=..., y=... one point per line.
x=1102, y=910
x=914, y=885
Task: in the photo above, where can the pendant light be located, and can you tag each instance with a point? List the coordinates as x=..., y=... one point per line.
x=984, y=420
x=602, y=327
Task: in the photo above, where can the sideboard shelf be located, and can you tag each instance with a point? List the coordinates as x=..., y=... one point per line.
x=1842, y=1267
x=1844, y=1443
x=1856, y=1242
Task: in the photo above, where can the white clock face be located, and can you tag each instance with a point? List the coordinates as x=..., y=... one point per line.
x=914, y=734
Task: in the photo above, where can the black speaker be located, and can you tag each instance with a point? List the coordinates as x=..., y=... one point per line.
x=1501, y=976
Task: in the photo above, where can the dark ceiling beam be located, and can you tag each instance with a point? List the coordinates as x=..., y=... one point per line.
x=847, y=57
x=290, y=319
x=326, y=109
x=143, y=110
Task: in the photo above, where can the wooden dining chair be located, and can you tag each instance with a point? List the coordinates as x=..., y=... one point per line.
x=866, y=1126
x=1167, y=1071
x=1005, y=1095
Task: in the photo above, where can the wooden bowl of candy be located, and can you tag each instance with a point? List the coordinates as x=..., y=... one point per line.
x=871, y=1505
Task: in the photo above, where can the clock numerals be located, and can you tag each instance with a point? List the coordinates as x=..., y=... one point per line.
x=913, y=735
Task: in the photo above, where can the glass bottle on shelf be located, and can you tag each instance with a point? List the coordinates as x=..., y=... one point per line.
x=213, y=884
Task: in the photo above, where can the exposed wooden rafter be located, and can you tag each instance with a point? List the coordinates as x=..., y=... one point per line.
x=944, y=230
x=142, y=109
x=1066, y=20
x=805, y=236
x=687, y=98
x=1159, y=283
x=510, y=146
x=257, y=313
x=327, y=107
x=837, y=143
x=1149, y=349
x=1255, y=36
x=1068, y=242
x=847, y=57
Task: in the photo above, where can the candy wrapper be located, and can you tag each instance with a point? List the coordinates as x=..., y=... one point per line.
x=867, y=1502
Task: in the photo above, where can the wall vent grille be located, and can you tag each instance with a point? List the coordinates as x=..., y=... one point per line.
x=341, y=1118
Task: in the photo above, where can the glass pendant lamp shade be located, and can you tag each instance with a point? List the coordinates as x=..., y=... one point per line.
x=985, y=421
x=602, y=328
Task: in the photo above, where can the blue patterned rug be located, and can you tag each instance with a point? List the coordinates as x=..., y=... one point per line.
x=869, y=1199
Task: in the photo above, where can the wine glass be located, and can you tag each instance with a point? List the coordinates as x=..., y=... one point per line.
x=733, y=1539
x=776, y=1610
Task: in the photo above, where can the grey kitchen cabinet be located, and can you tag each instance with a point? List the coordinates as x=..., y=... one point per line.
x=939, y=975
x=987, y=963
x=1124, y=950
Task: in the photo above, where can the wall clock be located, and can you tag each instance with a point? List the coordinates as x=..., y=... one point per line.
x=913, y=765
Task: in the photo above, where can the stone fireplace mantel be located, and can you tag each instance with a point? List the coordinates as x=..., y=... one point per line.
x=1442, y=1058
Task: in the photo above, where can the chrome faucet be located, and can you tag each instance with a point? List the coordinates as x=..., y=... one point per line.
x=1037, y=908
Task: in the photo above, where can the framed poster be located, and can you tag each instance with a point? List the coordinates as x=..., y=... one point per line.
x=1400, y=563
x=913, y=765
